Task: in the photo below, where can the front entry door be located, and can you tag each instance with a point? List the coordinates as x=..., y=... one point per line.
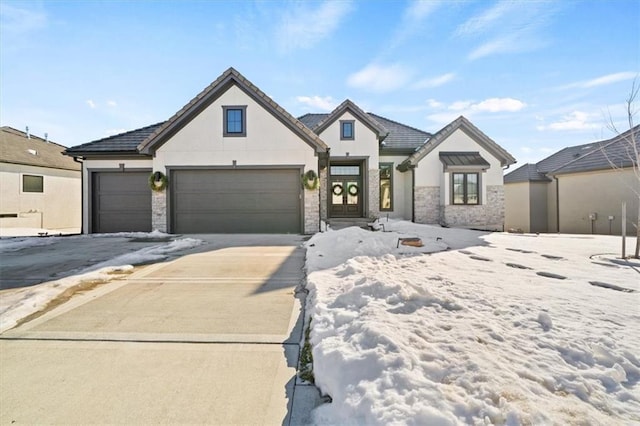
x=346, y=190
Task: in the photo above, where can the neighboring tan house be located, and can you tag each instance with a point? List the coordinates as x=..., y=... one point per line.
x=39, y=186
x=577, y=190
x=234, y=161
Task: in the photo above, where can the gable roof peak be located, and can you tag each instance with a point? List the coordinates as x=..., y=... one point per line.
x=212, y=92
x=476, y=134
x=365, y=118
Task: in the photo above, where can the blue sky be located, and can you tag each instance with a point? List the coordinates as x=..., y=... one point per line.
x=535, y=76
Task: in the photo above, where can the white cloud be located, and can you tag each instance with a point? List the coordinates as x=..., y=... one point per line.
x=526, y=150
x=576, y=120
x=484, y=21
x=499, y=105
x=20, y=20
x=469, y=108
x=322, y=103
x=440, y=80
x=111, y=132
x=302, y=27
x=434, y=104
x=112, y=104
x=418, y=10
x=508, y=27
x=91, y=104
x=379, y=78
x=459, y=105
x=603, y=80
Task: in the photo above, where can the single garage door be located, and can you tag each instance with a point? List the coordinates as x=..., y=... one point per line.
x=236, y=201
x=121, y=202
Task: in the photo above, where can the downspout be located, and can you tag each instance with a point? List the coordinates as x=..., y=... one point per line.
x=81, y=193
x=557, y=203
x=413, y=194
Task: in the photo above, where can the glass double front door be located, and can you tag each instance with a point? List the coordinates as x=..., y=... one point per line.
x=345, y=191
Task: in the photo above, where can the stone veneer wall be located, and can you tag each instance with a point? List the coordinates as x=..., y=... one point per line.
x=489, y=216
x=159, y=210
x=427, y=204
x=374, y=193
x=312, y=210
x=323, y=193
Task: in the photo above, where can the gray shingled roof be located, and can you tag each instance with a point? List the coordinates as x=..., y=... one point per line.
x=580, y=158
x=617, y=152
x=402, y=139
x=526, y=173
x=17, y=148
x=565, y=155
x=122, y=143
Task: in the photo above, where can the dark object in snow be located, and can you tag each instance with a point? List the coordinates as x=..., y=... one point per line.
x=517, y=266
x=413, y=242
x=484, y=259
x=465, y=252
x=611, y=286
x=520, y=250
x=548, y=256
x=551, y=275
x=438, y=238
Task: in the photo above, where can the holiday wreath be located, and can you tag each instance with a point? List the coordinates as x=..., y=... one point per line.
x=158, y=181
x=310, y=180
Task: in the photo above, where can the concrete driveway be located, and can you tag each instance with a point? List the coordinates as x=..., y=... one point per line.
x=211, y=337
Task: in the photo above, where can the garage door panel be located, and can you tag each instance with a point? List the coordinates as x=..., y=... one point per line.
x=260, y=201
x=121, y=202
x=239, y=223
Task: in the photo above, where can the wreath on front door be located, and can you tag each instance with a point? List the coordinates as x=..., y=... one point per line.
x=158, y=181
x=310, y=180
x=337, y=189
x=353, y=190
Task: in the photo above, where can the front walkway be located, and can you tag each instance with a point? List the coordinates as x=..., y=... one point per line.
x=209, y=338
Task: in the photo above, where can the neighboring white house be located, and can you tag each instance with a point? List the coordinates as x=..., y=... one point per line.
x=578, y=190
x=234, y=161
x=39, y=187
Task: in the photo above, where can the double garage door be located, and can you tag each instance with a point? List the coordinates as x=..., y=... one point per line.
x=236, y=201
x=202, y=201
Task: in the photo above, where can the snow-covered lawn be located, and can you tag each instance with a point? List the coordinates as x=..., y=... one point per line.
x=16, y=304
x=501, y=328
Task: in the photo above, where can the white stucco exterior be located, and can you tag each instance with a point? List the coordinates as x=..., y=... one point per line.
x=267, y=142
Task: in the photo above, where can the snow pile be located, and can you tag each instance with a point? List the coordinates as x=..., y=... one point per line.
x=16, y=304
x=331, y=248
x=149, y=254
x=15, y=244
x=476, y=335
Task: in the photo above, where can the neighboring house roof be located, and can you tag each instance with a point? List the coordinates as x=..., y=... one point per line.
x=466, y=126
x=380, y=131
x=618, y=152
x=401, y=139
x=210, y=94
x=526, y=173
x=453, y=160
x=592, y=156
x=564, y=156
x=123, y=143
x=18, y=148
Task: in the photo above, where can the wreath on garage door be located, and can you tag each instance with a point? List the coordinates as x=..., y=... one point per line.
x=337, y=189
x=158, y=181
x=310, y=180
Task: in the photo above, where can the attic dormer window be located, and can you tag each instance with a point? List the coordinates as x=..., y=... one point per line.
x=234, y=120
x=347, y=130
